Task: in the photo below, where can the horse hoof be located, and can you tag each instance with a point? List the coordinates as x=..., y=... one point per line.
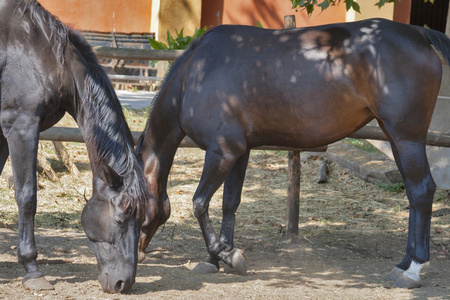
x=39, y=283
x=238, y=261
x=407, y=283
x=141, y=256
x=395, y=274
x=205, y=268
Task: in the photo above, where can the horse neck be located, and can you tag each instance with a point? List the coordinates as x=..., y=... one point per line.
x=163, y=134
x=98, y=113
x=161, y=139
x=107, y=136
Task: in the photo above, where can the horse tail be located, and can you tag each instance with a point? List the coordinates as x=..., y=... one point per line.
x=439, y=40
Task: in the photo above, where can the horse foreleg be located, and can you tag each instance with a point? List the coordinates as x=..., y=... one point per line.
x=215, y=170
x=232, y=192
x=23, y=144
x=413, y=164
x=157, y=150
x=149, y=229
x=231, y=200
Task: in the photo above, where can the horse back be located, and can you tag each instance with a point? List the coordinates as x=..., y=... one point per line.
x=274, y=84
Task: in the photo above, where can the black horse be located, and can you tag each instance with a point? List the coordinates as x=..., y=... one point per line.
x=47, y=69
x=241, y=87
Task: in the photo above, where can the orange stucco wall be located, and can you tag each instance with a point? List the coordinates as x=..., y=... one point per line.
x=135, y=15
x=269, y=12
x=179, y=14
x=402, y=11
x=97, y=15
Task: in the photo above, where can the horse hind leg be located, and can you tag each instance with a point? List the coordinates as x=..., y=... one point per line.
x=412, y=162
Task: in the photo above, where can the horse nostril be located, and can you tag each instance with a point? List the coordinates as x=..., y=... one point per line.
x=120, y=286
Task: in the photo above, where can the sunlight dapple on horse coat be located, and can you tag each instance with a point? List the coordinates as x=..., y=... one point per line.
x=241, y=87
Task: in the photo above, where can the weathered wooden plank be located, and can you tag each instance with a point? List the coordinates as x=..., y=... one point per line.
x=434, y=138
x=64, y=154
x=46, y=167
x=133, y=77
x=67, y=134
x=137, y=54
x=71, y=134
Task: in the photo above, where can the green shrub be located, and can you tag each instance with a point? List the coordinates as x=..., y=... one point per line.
x=178, y=42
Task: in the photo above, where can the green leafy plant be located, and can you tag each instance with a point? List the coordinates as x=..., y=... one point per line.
x=309, y=5
x=395, y=188
x=177, y=42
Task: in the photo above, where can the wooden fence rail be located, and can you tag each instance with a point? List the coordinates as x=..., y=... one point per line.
x=66, y=134
x=137, y=54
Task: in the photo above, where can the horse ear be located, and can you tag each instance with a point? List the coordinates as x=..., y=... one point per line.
x=113, y=179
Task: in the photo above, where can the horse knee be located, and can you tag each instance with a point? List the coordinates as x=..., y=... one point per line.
x=26, y=253
x=26, y=199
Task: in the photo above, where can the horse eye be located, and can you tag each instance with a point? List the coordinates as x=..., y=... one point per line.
x=127, y=212
x=119, y=221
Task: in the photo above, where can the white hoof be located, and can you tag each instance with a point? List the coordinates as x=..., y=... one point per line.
x=410, y=279
x=407, y=283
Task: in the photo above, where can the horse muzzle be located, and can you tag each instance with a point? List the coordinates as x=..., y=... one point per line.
x=116, y=284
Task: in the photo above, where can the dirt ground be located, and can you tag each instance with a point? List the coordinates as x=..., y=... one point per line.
x=351, y=235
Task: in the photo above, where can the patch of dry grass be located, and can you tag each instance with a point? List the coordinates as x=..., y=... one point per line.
x=345, y=203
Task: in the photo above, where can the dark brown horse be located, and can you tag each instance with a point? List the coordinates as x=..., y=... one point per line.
x=241, y=87
x=46, y=69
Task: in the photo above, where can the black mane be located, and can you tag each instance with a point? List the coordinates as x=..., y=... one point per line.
x=59, y=33
x=98, y=111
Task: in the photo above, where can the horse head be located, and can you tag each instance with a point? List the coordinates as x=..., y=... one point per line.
x=112, y=229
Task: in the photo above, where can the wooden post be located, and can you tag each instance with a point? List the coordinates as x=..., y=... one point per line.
x=289, y=21
x=293, y=201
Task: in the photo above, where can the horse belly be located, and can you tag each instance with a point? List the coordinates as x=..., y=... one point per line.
x=306, y=114
x=279, y=121
x=292, y=128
